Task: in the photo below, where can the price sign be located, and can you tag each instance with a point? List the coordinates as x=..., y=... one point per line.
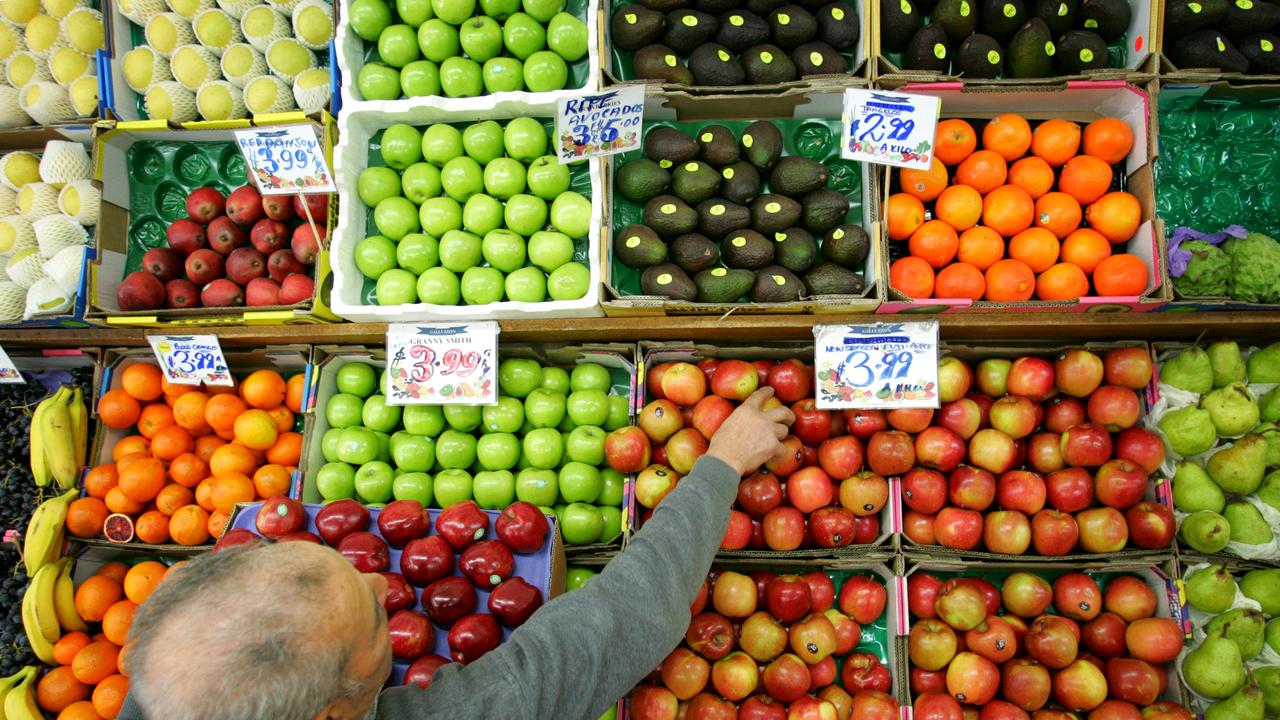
x=443, y=364
x=286, y=160
x=889, y=128
x=8, y=371
x=191, y=359
x=883, y=365
x=599, y=124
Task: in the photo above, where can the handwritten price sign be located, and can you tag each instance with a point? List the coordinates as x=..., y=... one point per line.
x=599, y=124
x=442, y=364
x=191, y=359
x=885, y=365
x=889, y=128
x=8, y=371
x=286, y=160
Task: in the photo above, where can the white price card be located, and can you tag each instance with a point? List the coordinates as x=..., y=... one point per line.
x=8, y=371
x=881, y=365
x=599, y=124
x=889, y=128
x=286, y=160
x=191, y=359
x=443, y=364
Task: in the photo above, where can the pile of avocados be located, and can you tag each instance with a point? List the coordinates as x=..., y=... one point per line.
x=735, y=42
x=728, y=218
x=988, y=39
x=1229, y=35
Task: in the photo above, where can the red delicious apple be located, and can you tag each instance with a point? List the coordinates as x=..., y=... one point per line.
x=1141, y=446
x=1051, y=642
x=1026, y=595
x=1025, y=683
x=1021, y=490
x=1061, y=412
x=204, y=204
x=1086, y=445
x=366, y=551
x=1104, y=635
x=462, y=525
x=735, y=379
x=972, y=679
x=791, y=381
x=426, y=560
x=710, y=412
x=863, y=672
x=627, y=449
x=403, y=520
x=971, y=488
x=1069, y=490
x=1077, y=372
x=1154, y=640
x=891, y=452
x=1014, y=415
x=822, y=592
x=1129, y=367
x=651, y=702
x=918, y=527
x=735, y=676
x=862, y=494
x=841, y=457
x=939, y=448
x=810, y=489
x=924, y=490
x=411, y=634
x=1031, y=377
x=1080, y=686
x=279, y=516
x=1054, y=533
x=1077, y=596
x=734, y=595
x=1007, y=532
x=399, y=595
x=423, y=670
x=685, y=673
x=523, y=527
x=784, y=528
x=786, y=678
x=813, y=638
x=1102, y=530
x=1115, y=408
x=993, y=639
x=931, y=644
x=487, y=563
x=473, y=636
x=1151, y=525
x=954, y=378
x=862, y=424
x=958, y=528
x=1044, y=453
x=339, y=519
x=221, y=293
x=830, y=527
x=683, y=384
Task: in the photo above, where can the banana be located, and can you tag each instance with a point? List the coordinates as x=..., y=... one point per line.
x=20, y=701
x=7, y=684
x=59, y=440
x=39, y=468
x=80, y=421
x=42, y=541
x=41, y=589
x=40, y=645
x=64, y=600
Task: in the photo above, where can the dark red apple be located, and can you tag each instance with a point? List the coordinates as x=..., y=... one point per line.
x=366, y=551
x=279, y=516
x=185, y=236
x=862, y=598
x=473, y=636
x=403, y=520
x=786, y=679
x=711, y=635
x=812, y=425
x=462, y=525
x=862, y=424
x=759, y=493
x=1086, y=445
x=1141, y=446
x=1104, y=635
x=448, y=600
x=236, y=536
x=487, y=563
x=399, y=594
x=822, y=592
x=523, y=527
x=426, y=560
x=268, y=236
x=423, y=670
x=1063, y=411
x=514, y=601
x=761, y=707
x=1051, y=642
x=787, y=597
x=864, y=671
x=922, y=593
x=411, y=634
x=829, y=527
x=936, y=706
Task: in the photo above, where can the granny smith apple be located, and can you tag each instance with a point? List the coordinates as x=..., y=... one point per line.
x=547, y=179
x=619, y=413
x=441, y=143
x=528, y=284
x=590, y=376
x=455, y=450
x=569, y=281
x=585, y=444
x=481, y=286
x=566, y=426
x=571, y=214
x=580, y=482
x=401, y=146
x=545, y=71
x=329, y=443
x=384, y=445
x=412, y=453
x=549, y=249
x=538, y=486
x=396, y=287
x=523, y=35
x=502, y=74
x=504, y=177
x=581, y=524
x=426, y=420
x=517, y=377
x=482, y=214
x=482, y=141
x=438, y=40
x=373, y=482
x=567, y=36
x=452, y=487
x=396, y=217
x=376, y=81
x=460, y=77
x=542, y=10
x=420, y=181
x=612, y=484
x=499, y=9
x=343, y=410
x=416, y=252
x=543, y=447
x=612, y=522
x=525, y=214
x=505, y=416
x=375, y=255
x=494, y=489
x=376, y=184
x=556, y=380
x=502, y=249
x=498, y=451
x=460, y=250
x=544, y=408
x=525, y=139
x=398, y=45
x=439, y=286
x=356, y=378
x=380, y=416
x=481, y=38
x=574, y=579
x=414, y=12
x=368, y=18
x=463, y=418
x=336, y=481
x=413, y=486
x=357, y=445
x=585, y=407
x=439, y=215
x=462, y=177
x=454, y=12
x=420, y=78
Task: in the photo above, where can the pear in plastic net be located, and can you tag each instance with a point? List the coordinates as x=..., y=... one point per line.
x=64, y=161
x=81, y=200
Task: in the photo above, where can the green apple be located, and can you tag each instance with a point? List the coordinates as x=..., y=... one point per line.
x=503, y=249
x=357, y=445
x=517, y=377
x=375, y=255
x=580, y=482
x=368, y=18
x=619, y=413
x=504, y=177
x=612, y=486
x=412, y=453
x=401, y=146
x=505, y=416
x=525, y=139
x=528, y=284
x=398, y=45
x=376, y=81
x=523, y=36
x=537, y=486
x=549, y=249
x=542, y=10
x=556, y=380
x=502, y=74
x=481, y=286
x=544, y=408
x=356, y=378
x=590, y=376
x=438, y=286
x=543, y=447
x=525, y=214
x=463, y=418
x=416, y=252
x=343, y=410
x=482, y=141
x=336, y=481
x=574, y=579
x=414, y=12
x=567, y=36
x=413, y=486
x=373, y=482
x=396, y=217
x=454, y=12
x=566, y=426
x=482, y=214
x=384, y=445
x=569, y=282
x=585, y=444
x=376, y=184
x=438, y=40
x=571, y=214
x=380, y=416
x=494, y=489
x=420, y=181
x=585, y=407
x=498, y=451
x=455, y=450
x=462, y=177
x=329, y=443
x=499, y=9
x=547, y=179
x=441, y=143
x=460, y=250
x=460, y=77
x=612, y=522
x=439, y=215
x=420, y=78
x=452, y=487
x=426, y=420
x=481, y=38
x=581, y=524
x=545, y=71
x=396, y=287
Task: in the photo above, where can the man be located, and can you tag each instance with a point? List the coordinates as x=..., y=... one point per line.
x=292, y=631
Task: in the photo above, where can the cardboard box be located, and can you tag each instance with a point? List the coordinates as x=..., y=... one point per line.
x=687, y=112
x=350, y=287
x=1081, y=102
x=123, y=235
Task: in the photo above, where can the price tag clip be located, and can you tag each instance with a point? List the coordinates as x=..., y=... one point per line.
x=889, y=128
x=191, y=359
x=881, y=365
x=443, y=364
x=599, y=124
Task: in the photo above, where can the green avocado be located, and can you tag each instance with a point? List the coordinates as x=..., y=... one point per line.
x=714, y=65
x=670, y=216
x=694, y=181
x=792, y=26
x=761, y=144
x=641, y=179
x=829, y=278
x=1207, y=49
x=1080, y=50
x=768, y=65
x=847, y=245
x=659, y=62
x=634, y=26
x=694, y=252
x=718, y=217
x=1248, y=16
x=980, y=56
x=719, y=146
x=687, y=29
x=1059, y=15
x=741, y=29
x=818, y=58
x=928, y=50
x=958, y=18
x=1031, y=51
x=771, y=213
x=899, y=21
x=746, y=249
x=823, y=210
x=669, y=280
x=740, y=182
x=1001, y=18
x=723, y=285
x=795, y=249
x=796, y=176
x=1263, y=52
x=638, y=246
x=776, y=284
x=838, y=26
x=663, y=6
x=1110, y=18
x=669, y=147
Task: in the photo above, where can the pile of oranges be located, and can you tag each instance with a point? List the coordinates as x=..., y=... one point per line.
x=1030, y=214
x=89, y=682
x=194, y=453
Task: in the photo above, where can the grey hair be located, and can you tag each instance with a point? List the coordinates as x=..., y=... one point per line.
x=240, y=634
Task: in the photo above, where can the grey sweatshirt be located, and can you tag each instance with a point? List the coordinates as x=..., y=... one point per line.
x=577, y=655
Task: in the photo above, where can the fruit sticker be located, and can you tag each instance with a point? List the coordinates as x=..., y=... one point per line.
x=442, y=364
x=599, y=124
x=191, y=359
x=885, y=365
x=286, y=160
x=889, y=128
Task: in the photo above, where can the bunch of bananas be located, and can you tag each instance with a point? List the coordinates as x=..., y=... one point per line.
x=49, y=608
x=42, y=541
x=18, y=695
x=59, y=438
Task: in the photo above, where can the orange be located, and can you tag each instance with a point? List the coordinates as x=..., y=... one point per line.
x=256, y=429
x=64, y=651
x=118, y=620
x=222, y=410
x=152, y=527
x=232, y=457
x=263, y=389
x=171, y=442
x=217, y=523
x=142, y=579
x=912, y=276
x=118, y=409
x=1063, y=281
x=85, y=517
x=153, y=419
x=960, y=280
x=188, y=470
x=59, y=689
x=142, y=479
x=100, y=479
x=1036, y=247
x=980, y=246
x=1008, y=210
x=283, y=418
x=1120, y=275
x=905, y=213
x=188, y=411
x=1085, y=178
x=271, y=480
x=924, y=184
x=1115, y=215
x=96, y=662
x=1085, y=248
x=82, y=710
x=206, y=444
x=1056, y=141
x=95, y=596
x=204, y=494
x=960, y=206
x=1009, y=135
x=1010, y=281
x=115, y=570
x=1059, y=213
x=109, y=696
x=190, y=526
x=230, y=489
x=1110, y=139
x=287, y=450
x=173, y=391
x=172, y=497
x=953, y=140
x=984, y=171
x=294, y=390
x=118, y=502
x=130, y=445
x=142, y=381
x=1033, y=175
x=935, y=242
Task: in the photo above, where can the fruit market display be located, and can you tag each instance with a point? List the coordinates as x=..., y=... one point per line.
x=1057, y=644
x=1224, y=37
x=472, y=214
x=729, y=42
x=766, y=645
x=462, y=49
x=1033, y=214
x=543, y=442
x=1234, y=263
x=721, y=212
x=49, y=51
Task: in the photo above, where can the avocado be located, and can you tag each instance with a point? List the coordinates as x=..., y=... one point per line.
x=795, y=249
x=1263, y=51
x=792, y=26
x=694, y=252
x=899, y=21
x=1110, y=18
x=925, y=7
x=823, y=210
x=663, y=6
x=669, y=216
x=1031, y=51
x=818, y=58
x=928, y=50
x=641, y=179
x=718, y=145
x=741, y=29
x=740, y=182
x=776, y=284
x=1080, y=50
x=1245, y=17
x=958, y=18
x=723, y=285
x=714, y=65
x=638, y=246
x=718, y=217
x=659, y=62
x=687, y=29
x=980, y=56
x=694, y=181
x=1208, y=49
x=669, y=146
x=838, y=26
x=829, y=278
x=1059, y=15
x=634, y=26
x=1001, y=18
x=715, y=7
x=1186, y=16
x=796, y=176
x=846, y=245
x=668, y=280
x=746, y=249
x=761, y=144
x=763, y=7
x=768, y=65
x=771, y=213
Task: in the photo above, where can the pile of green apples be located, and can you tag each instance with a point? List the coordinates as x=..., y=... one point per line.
x=542, y=443
x=456, y=49
x=473, y=215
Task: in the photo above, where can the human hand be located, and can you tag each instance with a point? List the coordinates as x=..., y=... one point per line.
x=751, y=436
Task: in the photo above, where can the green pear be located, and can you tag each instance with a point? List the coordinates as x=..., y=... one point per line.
x=1269, y=491
x=1264, y=365
x=1194, y=490
x=1206, y=532
x=1233, y=409
x=1227, y=363
x=1245, y=704
x=1263, y=586
x=1188, y=370
x=1269, y=431
x=1211, y=589
x=1214, y=669
x=1239, y=469
x=1268, y=679
x=1189, y=430
x=1273, y=634
x=1243, y=626
x=1269, y=405
x=1247, y=524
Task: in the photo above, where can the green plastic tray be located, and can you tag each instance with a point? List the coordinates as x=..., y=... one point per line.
x=814, y=138
x=579, y=181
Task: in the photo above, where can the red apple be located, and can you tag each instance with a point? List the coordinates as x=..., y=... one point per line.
x=1104, y=635
x=1063, y=411
x=813, y=638
x=651, y=702
x=1077, y=372
x=936, y=706
x=1141, y=446
x=759, y=494
x=684, y=673
x=1166, y=710
x=1021, y=490
x=923, y=681
x=789, y=460
x=1115, y=408
x=684, y=384
x=831, y=527
x=653, y=379
x=487, y=563
x=1007, y=532
x=1054, y=533
x=924, y=490
x=1086, y=445
x=993, y=639
x=1151, y=525
x=710, y=635
x=784, y=528
x=822, y=592
x=1069, y=490
x=627, y=449
x=423, y=670
x=366, y=551
x=737, y=535
x=279, y=516
x=939, y=448
x=660, y=419
x=1154, y=640
x=811, y=708
x=709, y=414
x=863, y=672
x=411, y=634
x=862, y=494
x=961, y=604
x=761, y=707
x=862, y=598
x=522, y=526
x=1080, y=686
x=1051, y=642
x=404, y=520
x=992, y=377
x=1116, y=710
x=734, y=595
x=848, y=632
x=972, y=679
x=862, y=424
x=866, y=530
x=735, y=379
x=954, y=378
x=1026, y=595
x=735, y=676
x=762, y=637
x=841, y=457
x=931, y=644
x=786, y=678
x=791, y=381
x=812, y=425
x=1129, y=367
x=891, y=452
x=874, y=705
x=1077, y=596
x=992, y=450
x=1014, y=416
x=1102, y=530
x=823, y=672
x=787, y=598
x=971, y=488
x=514, y=601
x=1044, y=453
x=962, y=417
x=810, y=489
x=1120, y=484
x=922, y=594
x=918, y=527
x=958, y=528
x=909, y=420
x=1031, y=377
x=1025, y=683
